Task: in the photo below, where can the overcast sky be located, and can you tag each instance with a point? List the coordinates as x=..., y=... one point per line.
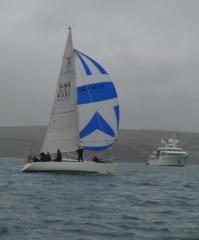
x=149, y=47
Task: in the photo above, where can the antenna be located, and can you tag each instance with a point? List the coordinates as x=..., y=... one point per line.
x=177, y=133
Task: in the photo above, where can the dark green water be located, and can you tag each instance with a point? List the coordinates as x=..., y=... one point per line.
x=137, y=202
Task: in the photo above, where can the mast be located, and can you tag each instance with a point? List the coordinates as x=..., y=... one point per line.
x=75, y=92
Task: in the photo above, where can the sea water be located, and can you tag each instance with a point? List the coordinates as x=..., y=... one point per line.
x=136, y=202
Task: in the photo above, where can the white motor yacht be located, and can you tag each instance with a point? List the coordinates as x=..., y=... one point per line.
x=168, y=154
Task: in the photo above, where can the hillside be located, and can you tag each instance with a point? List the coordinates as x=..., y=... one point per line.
x=132, y=145
x=137, y=145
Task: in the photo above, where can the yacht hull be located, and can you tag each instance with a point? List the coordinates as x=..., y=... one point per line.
x=167, y=162
x=69, y=166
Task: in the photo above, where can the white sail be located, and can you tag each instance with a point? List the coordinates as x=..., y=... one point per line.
x=63, y=128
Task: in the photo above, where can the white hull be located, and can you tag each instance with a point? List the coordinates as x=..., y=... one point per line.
x=69, y=166
x=167, y=162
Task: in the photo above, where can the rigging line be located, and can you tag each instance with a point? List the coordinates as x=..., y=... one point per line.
x=77, y=137
x=61, y=113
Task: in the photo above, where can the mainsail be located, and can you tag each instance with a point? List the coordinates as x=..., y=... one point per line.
x=85, y=109
x=63, y=130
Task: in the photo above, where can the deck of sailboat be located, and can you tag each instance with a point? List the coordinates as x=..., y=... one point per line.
x=70, y=166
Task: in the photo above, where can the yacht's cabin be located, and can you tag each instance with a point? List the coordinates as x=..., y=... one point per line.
x=170, y=148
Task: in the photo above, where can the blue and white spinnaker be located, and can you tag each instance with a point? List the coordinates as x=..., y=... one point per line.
x=97, y=101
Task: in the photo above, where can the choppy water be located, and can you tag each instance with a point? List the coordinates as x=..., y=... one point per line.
x=137, y=202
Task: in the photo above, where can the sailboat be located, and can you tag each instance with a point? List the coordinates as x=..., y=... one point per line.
x=85, y=113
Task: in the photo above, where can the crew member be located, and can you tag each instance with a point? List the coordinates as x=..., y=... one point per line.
x=59, y=156
x=80, y=152
x=48, y=156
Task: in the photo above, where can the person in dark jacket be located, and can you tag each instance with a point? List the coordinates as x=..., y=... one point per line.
x=43, y=157
x=80, y=152
x=48, y=156
x=59, y=156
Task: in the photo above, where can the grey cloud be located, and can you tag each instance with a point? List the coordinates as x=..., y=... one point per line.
x=150, y=48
